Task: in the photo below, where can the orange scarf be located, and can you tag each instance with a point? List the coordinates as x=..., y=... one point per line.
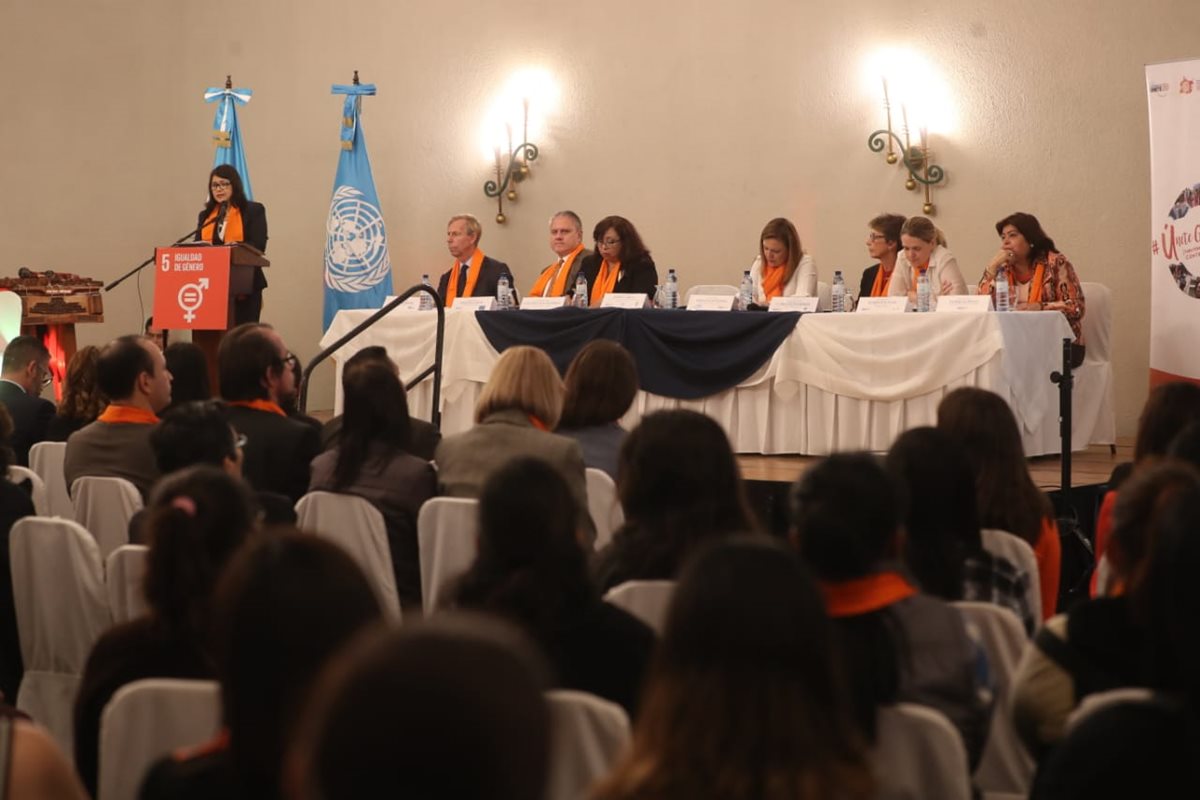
x=880, y=287
x=1035, y=287
x=233, y=225
x=558, y=273
x=259, y=405
x=537, y=423
x=606, y=281
x=472, y=278
x=127, y=415
x=772, y=281
x=863, y=595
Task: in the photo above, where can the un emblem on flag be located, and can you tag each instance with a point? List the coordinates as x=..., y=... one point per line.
x=356, y=256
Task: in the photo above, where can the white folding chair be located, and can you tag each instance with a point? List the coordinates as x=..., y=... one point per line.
x=646, y=600
x=146, y=720
x=1005, y=770
x=1100, y=700
x=61, y=608
x=1093, y=403
x=1017, y=552
x=723, y=289
x=356, y=526
x=918, y=754
x=587, y=734
x=124, y=572
x=446, y=537
x=46, y=459
x=104, y=506
x=41, y=505
x=824, y=296
x=606, y=512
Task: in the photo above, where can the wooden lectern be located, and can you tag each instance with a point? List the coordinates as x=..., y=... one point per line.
x=195, y=287
x=51, y=305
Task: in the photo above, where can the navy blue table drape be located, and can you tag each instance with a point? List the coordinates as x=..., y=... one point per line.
x=681, y=354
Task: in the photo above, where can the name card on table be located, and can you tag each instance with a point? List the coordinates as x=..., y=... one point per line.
x=805, y=305
x=474, y=304
x=974, y=303
x=624, y=300
x=711, y=302
x=542, y=303
x=882, y=305
x=411, y=304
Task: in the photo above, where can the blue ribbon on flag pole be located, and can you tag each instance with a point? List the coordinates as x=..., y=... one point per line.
x=358, y=270
x=227, y=135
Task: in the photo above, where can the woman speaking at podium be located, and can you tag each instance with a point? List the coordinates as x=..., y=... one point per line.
x=229, y=217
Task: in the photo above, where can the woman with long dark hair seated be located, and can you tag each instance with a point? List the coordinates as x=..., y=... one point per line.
x=371, y=460
x=189, y=373
x=82, y=400
x=621, y=262
x=229, y=216
x=532, y=569
x=600, y=384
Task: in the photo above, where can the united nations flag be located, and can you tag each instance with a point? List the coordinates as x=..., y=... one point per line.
x=358, y=271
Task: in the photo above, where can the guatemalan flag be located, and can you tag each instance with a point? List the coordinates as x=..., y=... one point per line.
x=226, y=134
x=358, y=271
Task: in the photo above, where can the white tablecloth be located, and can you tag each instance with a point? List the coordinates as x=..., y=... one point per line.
x=839, y=382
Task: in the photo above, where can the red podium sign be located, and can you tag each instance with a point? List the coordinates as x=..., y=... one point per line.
x=191, y=289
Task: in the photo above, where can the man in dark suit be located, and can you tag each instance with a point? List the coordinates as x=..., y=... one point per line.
x=256, y=382
x=24, y=373
x=472, y=274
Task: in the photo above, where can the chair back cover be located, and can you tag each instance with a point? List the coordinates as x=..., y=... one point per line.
x=41, y=504
x=606, y=512
x=104, y=506
x=1006, y=767
x=146, y=720
x=124, y=571
x=61, y=609
x=918, y=754
x=46, y=459
x=1093, y=404
x=1017, y=552
x=723, y=289
x=1100, y=700
x=356, y=526
x=646, y=600
x=588, y=733
x=446, y=531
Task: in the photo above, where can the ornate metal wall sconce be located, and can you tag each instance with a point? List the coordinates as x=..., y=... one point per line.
x=915, y=158
x=513, y=168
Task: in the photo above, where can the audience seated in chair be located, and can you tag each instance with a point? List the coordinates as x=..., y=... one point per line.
x=942, y=545
x=1147, y=749
x=1008, y=499
x=679, y=484
x=449, y=708
x=532, y=569
x=900, y=644
x=132, y=373
x=745, y=699
x=286, y=605
x=197, y=519
x=257, y=381
x=15, y=503
x=372, y=460
x=24, y=373
x=189, y=374
x=1100, y=644
x=82, y=400
x=600, y=386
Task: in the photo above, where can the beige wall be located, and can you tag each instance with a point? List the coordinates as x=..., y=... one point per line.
x=697, y=121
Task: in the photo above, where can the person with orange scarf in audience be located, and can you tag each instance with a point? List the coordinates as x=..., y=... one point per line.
x=472, y=274
x=621, y=263
x=883, y=244
x=228, y=217
x=566, y=240
x=923, y=251
x=782, y=268
x=1039, y=277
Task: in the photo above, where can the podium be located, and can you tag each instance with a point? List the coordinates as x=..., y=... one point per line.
x=195, y=287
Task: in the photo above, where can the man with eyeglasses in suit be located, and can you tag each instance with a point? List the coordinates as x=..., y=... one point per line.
x=24, y=374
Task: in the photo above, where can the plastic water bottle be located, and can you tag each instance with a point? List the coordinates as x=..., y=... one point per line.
x=503, y=293
x=426, y=301
x=923, y=291
x=581, y=292
x=1002, y=295
x=746, y=291
x=670, y=292
x=839, y=292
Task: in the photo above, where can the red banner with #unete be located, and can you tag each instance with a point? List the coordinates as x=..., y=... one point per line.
x=191, y=288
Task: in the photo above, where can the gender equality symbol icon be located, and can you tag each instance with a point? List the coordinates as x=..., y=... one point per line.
x=191, y=297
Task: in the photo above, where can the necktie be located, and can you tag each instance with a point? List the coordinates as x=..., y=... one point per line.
x=546, y=292
x=462, y=280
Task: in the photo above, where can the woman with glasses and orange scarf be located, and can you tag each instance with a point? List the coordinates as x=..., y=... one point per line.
x=883, y=244
x=228, y=217
x=621, y=262
x=782, y=268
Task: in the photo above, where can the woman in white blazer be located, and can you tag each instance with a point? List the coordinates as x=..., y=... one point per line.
x=923, y=249
x=782, y=268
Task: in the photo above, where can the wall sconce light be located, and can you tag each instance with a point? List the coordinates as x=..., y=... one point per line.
x=915, y=158
x=512, y=168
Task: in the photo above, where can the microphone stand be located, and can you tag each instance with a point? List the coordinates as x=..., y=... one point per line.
x=148, y=261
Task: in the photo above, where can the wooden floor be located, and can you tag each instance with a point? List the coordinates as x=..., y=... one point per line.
x=1089, y=466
